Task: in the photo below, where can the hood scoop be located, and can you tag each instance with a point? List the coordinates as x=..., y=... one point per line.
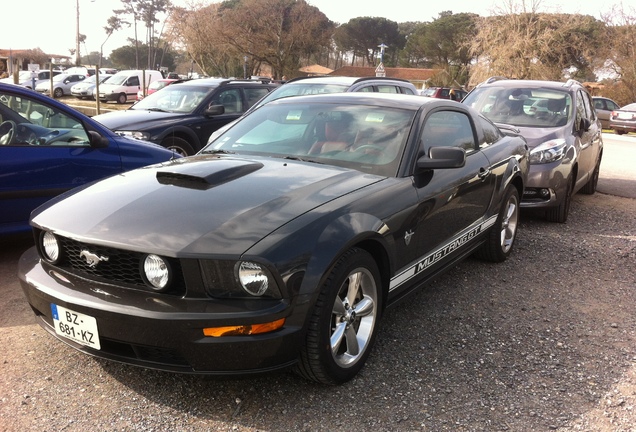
x=203, y=175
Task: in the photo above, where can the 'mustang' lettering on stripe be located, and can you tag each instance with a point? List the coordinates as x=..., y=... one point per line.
x=440, y=253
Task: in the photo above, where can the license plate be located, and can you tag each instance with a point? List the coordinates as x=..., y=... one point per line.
x=76, y=326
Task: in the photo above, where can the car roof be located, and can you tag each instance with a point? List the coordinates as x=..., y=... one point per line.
x=215, y=82
x=345, y=80
x=390, y=100
x=556, y=85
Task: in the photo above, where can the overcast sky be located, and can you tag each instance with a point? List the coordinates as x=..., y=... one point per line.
x=23, y=27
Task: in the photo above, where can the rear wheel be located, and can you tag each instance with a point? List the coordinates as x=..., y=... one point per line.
x=503, y=233
x=178, y=145
x=560, y=213
x=344, y=321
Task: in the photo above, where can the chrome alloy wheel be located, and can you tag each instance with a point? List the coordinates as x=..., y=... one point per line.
x=509, y=223
x=354, y=316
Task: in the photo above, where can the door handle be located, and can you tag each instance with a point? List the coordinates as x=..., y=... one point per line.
x=483, y=173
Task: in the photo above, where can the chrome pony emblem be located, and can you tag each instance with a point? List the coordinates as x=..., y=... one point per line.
x=407, y=236
x=92, y=259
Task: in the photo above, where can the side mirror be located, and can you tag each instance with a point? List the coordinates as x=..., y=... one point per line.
x=585, y=125
x=97, y=140
x=213, y=110
x=442, y=157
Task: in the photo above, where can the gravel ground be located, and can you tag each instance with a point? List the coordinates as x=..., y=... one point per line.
x=544, y=341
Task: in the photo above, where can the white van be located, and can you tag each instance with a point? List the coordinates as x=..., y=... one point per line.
x=123, y=86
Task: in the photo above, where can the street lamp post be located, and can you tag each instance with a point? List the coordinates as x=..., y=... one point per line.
x=244, y=67
x=77, y=37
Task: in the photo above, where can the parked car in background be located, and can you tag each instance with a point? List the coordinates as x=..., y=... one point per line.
x=282, y=243
x=25, y=78
x=182, y=116
x=62, y=84
x=47, y=148
x=156, y=85
x=124, y=85
x=309, y=85
x=444, y=93
x=565, y=140
x=604, y=108
x=623, y=120
x=86, y=89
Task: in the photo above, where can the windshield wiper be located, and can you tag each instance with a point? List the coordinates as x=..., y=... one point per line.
x=296, y=158
x=155, y=109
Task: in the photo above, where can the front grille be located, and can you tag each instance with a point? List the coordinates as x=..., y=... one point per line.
x=115, y=265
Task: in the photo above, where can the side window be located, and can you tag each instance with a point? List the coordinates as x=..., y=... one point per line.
x=492, y=134
x=367, y=89
x=587, y=101
x=231, y=100
x=253, y=95
x=133, y=81
x=407, y=90
x=611, y=105
x=580, y=109
x=448, y=129
x=26, y=122
x=599, y=104
x=382, y=88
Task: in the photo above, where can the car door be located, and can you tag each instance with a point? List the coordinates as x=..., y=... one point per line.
x=38, y=163
x=452, y=202
x=590, y=140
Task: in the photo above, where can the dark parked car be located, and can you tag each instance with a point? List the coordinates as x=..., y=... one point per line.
x=604, y=108
x=281, y=243
x=47, y=148
x=563, y=132
x=623, y=120
x=182, y=116
x=444, y=93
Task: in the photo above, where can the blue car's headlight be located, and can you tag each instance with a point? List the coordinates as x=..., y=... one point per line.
x=550, y=151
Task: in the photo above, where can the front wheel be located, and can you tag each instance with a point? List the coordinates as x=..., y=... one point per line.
x=590, y=186
x=178, y=145
x=122, y=98
x=560, y=213
x=344, y=321
x=502, y=235
x=58, y=93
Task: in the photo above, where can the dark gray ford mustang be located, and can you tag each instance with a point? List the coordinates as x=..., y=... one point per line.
x=282, y=242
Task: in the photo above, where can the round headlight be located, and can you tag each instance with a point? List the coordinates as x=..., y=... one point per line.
x=156, y=272
x=253, y=278
x=50, y=247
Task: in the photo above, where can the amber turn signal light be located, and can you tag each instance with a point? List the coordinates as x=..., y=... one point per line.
x=244, y=329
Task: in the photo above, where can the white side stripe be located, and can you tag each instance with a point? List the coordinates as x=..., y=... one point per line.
x=456, y=243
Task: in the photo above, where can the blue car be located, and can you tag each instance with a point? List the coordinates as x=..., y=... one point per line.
x=47, y=148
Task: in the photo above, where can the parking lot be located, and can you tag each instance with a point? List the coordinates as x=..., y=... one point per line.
x=544, y=341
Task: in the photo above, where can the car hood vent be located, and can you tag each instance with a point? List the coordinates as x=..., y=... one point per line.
x=204, y=176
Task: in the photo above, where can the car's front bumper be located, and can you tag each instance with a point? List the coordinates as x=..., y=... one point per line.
x=141, y=328
x=546, y=185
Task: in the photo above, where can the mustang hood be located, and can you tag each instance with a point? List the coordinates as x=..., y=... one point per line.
x=132, y=119
x=206, y=204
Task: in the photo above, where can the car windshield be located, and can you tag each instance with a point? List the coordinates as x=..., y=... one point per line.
x=174, y=98
x=429, y=91
x=367, y=138
x=526, y=107
x=60, y=77
x=300, y=89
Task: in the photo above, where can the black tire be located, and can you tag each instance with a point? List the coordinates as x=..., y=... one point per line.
x=58, y=93
x=122, y=98
x=590, y=186
x=619, y=132
x=178, y=145
x=560, y=213
x=502, y=235
x=343, y=324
